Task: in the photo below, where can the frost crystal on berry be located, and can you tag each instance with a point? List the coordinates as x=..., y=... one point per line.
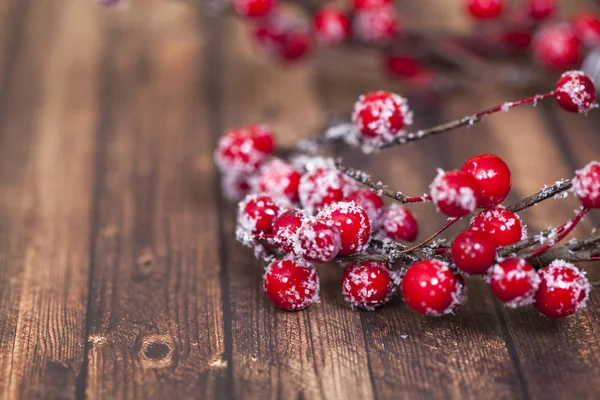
x=381, y=116
x=563, y=291
x=453, y=193
x=291, y=284
x=399, y=223
x=575, y=92
x=368, y=284
x=586, y=185
x=515, y=282
x=323, y=186
x=353, y=224
x=318, y=240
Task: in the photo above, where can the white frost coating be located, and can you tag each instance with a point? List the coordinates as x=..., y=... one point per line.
x=397, y=222
x=360, y=279
x=323, y=186
x=576, y=92
x=276, y=178
x=554, y=279
x=381, y=110
x=291, y=294
x=236, y=152
x=246, y=222
x=349, y=217
x=499, y=275
x=586, y=184
x=371, y=25
x=458, y=295
x=318, y=240
x=506, y=220
x=464, y=197
x=234, y=187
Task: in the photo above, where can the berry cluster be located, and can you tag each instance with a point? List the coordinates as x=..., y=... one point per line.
x=311, y=210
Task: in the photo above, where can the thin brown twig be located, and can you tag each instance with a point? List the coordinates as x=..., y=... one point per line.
x=559, y=187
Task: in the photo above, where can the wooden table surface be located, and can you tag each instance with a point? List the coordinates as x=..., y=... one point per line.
x=119, y=273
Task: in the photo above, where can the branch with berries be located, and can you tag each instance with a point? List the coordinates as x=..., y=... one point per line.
x=311, y=209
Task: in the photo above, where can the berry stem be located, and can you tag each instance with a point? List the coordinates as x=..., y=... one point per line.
x=559, y=187
x=468, y=120
x=562, y=232
x=430, y=238
x=380, y=188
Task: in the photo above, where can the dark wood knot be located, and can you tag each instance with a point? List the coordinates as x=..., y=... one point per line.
x=158, y=351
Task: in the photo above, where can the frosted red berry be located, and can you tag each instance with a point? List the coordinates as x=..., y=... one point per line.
x=575, y=92
x=256, y=214
x=278, y=179
x=235, y=187
x=586, y=185
x=557, y=47
x=454, y=193
x=398, y=223
x=503, y=226
x=429, y=287
x=364, y=4
x=539, y=10
x=323, y=186
x=492, y=176
x=514, y=281
x=563, y=290
x=371, y=202
x=291, y=284
x=254, y=8
x=587, y=27
x=269, y=34
x=473, y=252
x=241, y=151
x=368, y=284
x=320, y=241
x=296, y=44
x=332, y=26
x=353, y=224
x=381, y=116
x=484, y=9
x=376, y=25
x=285, y=230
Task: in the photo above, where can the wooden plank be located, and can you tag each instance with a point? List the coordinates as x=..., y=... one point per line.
x=317, y=353
x=155, y=316
x=46, y=152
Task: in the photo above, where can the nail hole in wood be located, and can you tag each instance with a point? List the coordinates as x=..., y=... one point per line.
x=158, y=351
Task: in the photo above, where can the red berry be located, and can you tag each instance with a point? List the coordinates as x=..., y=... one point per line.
x=400, y=224
x=320, y=241
x=291, y=284
x=557, y=47
x=332, y=26
x=430, y=288
x=368, y=284
x=575, y=92
x=363, y=4
x=234, y=187
x=473, y=252
x=254, y=8
x=587, y=27
x=285, y=229
x=514, y=281
x=371, y=203
x=241, y=151
x=503, y=226
x=296, y=44
x=484, y=9
x=403, y=66
x=353, y=224
x=540, y=9
x=517, y=38
x=278, y=179
x=256, y=214
x=269, y=34
x=586, y=185
x=323, y=186
x=377, y=24
x=492, y=176
x=381, y=116
x=563, y=291
x=453, y=193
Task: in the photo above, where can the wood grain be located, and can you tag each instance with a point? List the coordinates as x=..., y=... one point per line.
x=47, y=139
x=318, y=353
x=155, y=315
